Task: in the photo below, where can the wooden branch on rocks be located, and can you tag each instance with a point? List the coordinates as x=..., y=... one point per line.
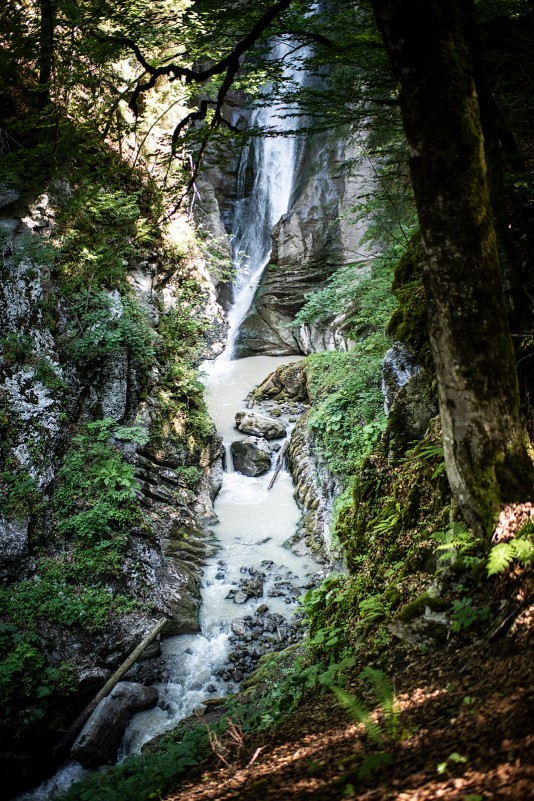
x=73, y=731
x=279, y=463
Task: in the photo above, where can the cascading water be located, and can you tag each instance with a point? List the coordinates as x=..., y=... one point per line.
x=264, y=183
x=254, y=522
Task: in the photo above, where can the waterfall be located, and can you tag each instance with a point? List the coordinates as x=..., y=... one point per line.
x=255, y=523
x=264, y=184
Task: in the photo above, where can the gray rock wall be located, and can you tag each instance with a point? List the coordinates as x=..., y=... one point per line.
x=310, y=243
x=161, y=562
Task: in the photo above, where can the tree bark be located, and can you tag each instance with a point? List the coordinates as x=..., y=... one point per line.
x=487, y=453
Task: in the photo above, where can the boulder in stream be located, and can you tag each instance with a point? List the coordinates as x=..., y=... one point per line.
x=259, y=426
x=251, y=456
x=100, y=737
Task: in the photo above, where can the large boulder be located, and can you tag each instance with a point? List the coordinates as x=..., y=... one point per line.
x=99, y=740
x=251, y=456
x=287, y=382
x=259, y=426
x=415, y=405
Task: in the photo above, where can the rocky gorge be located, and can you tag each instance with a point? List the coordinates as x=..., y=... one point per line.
x=79, y=380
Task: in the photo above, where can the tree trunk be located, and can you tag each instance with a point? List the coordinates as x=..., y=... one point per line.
x=486, y=448
x=70, y=735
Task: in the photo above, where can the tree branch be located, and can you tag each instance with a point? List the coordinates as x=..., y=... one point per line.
x=229, y=64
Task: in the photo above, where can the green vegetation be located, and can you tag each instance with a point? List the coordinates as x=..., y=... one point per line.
x=519, y=549
x=19, y=496
x=411, y=560
x=95, y=507
x=146, y=776
x=76, y=573
x=345, y=388
x=95, y=504
x=29, y=686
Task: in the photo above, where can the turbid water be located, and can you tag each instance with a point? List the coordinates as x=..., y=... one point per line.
x=254, y=523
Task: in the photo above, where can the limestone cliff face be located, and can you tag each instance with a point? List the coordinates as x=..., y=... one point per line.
x=310, y=243
x=46, y=395
x=315, y=487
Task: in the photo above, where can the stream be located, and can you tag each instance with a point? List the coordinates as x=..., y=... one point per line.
x=249, y=590
x=250, y=587
x=254, y=523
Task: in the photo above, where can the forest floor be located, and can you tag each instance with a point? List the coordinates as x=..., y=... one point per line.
x=467, y=720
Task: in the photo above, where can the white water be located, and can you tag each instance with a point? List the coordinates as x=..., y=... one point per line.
x=253, y=523
x=271, y=161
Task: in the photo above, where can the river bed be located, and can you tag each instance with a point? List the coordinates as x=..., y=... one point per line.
x=254, y=523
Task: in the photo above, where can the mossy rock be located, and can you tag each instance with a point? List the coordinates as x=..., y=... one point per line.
x=417, y=607
x=408, y=323
x=414, y=407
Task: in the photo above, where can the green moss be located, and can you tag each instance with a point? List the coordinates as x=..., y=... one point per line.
x=19, y=497
x=386, y=529
x=417, y=607
x=408, y=323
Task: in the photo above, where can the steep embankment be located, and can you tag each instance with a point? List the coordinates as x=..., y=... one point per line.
x=422, y=643
x=107, y=449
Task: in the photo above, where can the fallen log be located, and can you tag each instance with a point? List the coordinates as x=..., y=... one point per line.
x=279, y=463
x=73, y=730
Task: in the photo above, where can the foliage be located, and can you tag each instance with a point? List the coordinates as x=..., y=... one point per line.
x=347, y=416
x=94, y=501
x=520, y=549
x=99, y=232
x=63, y=594
x=27, y=684
x=49, y=377
x=95, y=506
x=19, y=495
x=464, y=614
x=459, y=546
x=385, y=696
x=17, y=348
x=102, y=325
x=148, y=776
x=456, y=759
x=183, y=327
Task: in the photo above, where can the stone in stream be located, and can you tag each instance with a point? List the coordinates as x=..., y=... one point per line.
x=239, y=627
x=99, y=739
x=260, y=426
x=253, y=587
x=251, y=456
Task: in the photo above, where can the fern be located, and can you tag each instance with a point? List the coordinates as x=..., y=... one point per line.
x=385, y=695
x=359, y=712
x=458, y=544
x=520, y=549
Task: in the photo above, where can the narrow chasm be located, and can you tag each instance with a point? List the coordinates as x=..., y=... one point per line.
x=235, y=560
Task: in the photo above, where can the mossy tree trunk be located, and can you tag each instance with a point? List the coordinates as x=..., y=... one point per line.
x=486, y=448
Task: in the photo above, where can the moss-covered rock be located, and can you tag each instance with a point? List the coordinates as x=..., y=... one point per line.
x=414, y=407
x=408, y=323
